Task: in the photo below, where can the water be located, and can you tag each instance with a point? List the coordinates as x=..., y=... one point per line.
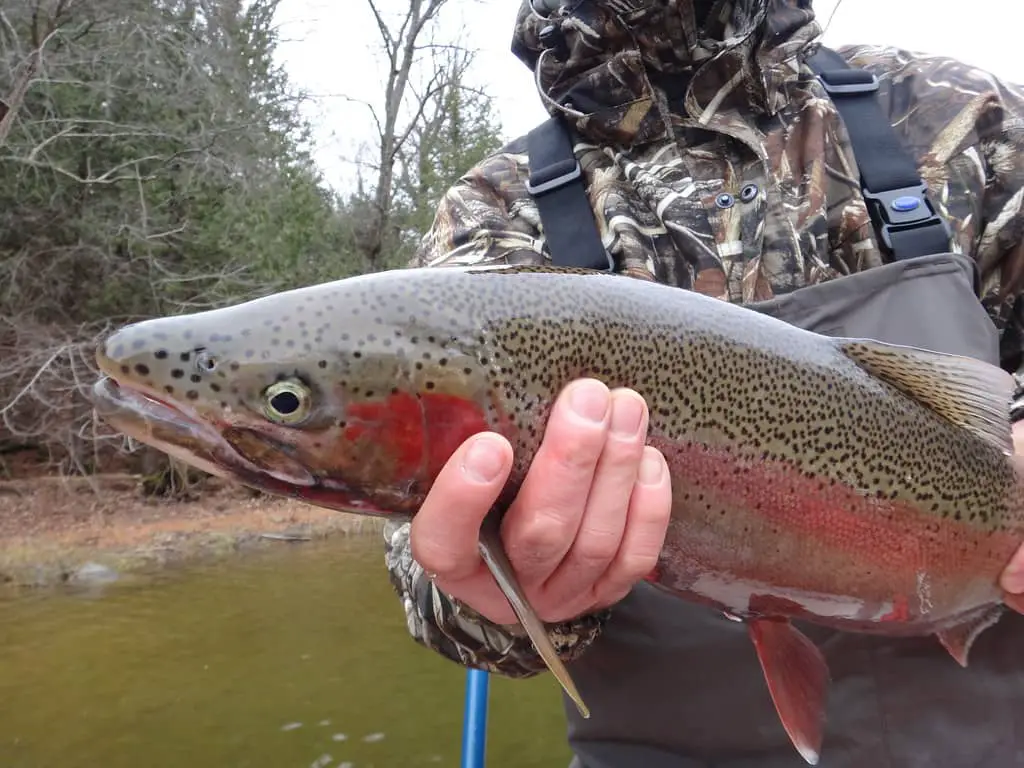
x=293, y=658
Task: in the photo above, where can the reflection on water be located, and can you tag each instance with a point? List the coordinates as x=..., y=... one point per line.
x=294, y=658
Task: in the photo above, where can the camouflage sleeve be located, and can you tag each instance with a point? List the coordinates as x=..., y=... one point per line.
x=457, y=632
x=486, y=218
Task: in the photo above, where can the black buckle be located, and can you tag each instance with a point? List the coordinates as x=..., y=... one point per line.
x=847, y=81
x=910, y=227
x=554, y=176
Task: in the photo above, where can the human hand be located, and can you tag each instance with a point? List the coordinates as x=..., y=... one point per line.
x=1012, y=579
x=588, y=523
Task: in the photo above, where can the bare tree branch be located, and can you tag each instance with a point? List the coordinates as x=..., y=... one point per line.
x=42, y=34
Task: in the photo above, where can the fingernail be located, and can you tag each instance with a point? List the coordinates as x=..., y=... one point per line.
x=627, y=414
x=483, y=460
x=651, y=467
x=589, y=400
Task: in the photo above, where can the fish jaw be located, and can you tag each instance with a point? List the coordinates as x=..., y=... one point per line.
x=199, y=443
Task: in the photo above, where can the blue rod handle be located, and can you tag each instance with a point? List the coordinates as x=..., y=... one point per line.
x=474, y=719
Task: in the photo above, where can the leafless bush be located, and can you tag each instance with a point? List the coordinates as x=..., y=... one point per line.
x=45, y=375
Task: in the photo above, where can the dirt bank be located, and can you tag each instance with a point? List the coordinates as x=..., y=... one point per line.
x=50, y=527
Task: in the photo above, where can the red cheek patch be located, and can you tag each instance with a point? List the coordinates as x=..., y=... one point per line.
x=419, y=434
x=394, y=425
x=449, y=421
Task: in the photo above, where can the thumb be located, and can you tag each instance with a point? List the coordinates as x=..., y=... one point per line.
x=445, y=532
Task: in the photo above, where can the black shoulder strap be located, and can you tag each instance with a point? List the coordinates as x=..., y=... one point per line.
x=905, y=219
x=556, y=183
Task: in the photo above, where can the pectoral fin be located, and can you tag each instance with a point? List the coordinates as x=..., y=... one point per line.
x=959, y=639
x=797, y=679
x=497, y=562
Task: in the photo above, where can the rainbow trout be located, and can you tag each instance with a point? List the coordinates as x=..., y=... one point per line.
x=845, y=482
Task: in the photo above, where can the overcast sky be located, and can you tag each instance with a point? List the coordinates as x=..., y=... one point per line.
x=329, y=52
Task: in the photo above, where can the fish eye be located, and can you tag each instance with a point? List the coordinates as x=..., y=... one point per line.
x=205, y=362
x=286, y=402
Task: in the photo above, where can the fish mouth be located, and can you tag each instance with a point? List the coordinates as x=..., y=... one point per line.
x=201, y=444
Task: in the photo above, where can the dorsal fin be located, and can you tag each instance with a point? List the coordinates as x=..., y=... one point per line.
x=970, y=393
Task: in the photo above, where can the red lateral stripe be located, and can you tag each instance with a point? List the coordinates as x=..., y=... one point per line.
x=889, y=533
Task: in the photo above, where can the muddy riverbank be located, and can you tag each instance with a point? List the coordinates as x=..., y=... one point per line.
x=54, y=530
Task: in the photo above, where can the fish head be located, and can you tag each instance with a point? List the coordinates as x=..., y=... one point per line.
x=323, y=394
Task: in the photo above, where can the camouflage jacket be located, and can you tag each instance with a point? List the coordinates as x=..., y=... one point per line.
x=677, y=102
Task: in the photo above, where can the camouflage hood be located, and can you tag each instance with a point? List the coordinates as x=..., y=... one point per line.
x=622, y=66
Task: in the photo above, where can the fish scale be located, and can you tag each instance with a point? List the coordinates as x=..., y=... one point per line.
x=844, y=482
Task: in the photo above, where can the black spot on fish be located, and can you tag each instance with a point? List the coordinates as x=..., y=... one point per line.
x=234, y=365
x=125, y=370
x=192, y=395
x=138, y=344
x=177, y=373
x=195, y=378
x=322, y=363
x=160, y=354
x=214, y=386
x=186, y=356
x=169, y=389
x=142, y=369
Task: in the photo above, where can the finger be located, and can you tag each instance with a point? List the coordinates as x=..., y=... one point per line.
x=604, y=518
x=541, y=524
x=1012, y=578
x=650, y=511
x=445, y=531
x=481, y=593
